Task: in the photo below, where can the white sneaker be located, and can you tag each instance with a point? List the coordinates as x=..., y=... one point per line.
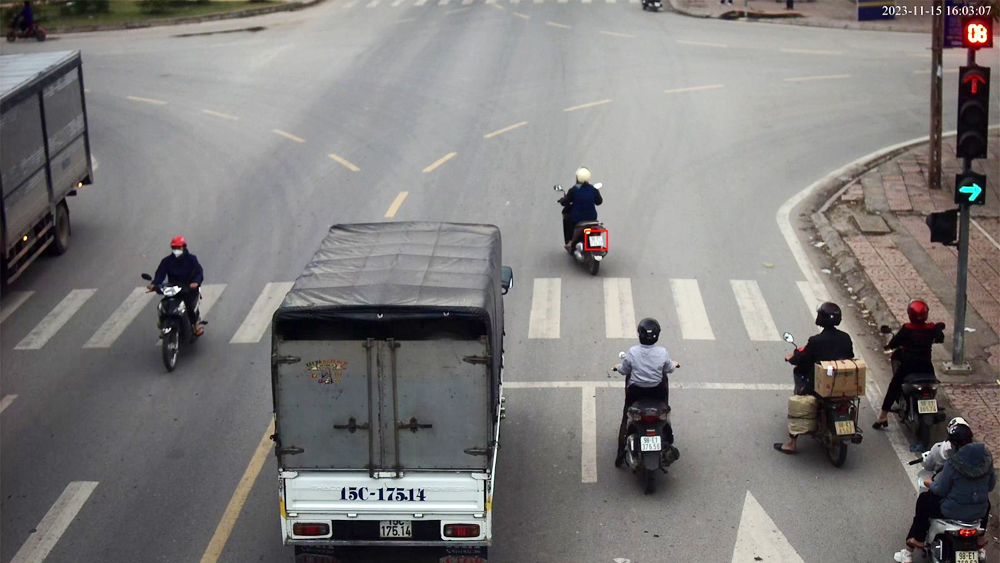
x=903, y=556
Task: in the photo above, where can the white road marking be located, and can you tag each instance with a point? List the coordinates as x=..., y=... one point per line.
x=685, y=385
x=810, y=52
x=692, y=89
x=120, y=319
x=588, y=436
x=946, y=71
x=616, y=34
x=515, y=1
x=522, y=16
x=985, y=234
x=146, y=100
x=509, y=127
x=55, y=320
x=6, y=401
x=827, y=77
x=494, y=2
x=13, y=300
x=619, y=312
x=287, y=135
x=756, y=316
x=701, y=43
x=546, y=299
x=372, y=4
x=55, y=522
x=590, y=105
x=93, y=160
x=256, y=322
x=610, y=1
x=397, y=3
x=562, y=1
x=759, y=539
x=559, y=25
x=210, y=295
x=587, y=1
x=466, y=2
x=443, y=2
x=691, y=310
x=807, y=294
x=420, y=2
x=220, y=115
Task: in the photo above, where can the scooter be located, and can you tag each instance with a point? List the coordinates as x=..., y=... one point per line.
x=838, y=423
x=33, y=30
x=917, y=405
x=644, y=439
x=591, y=252
x=653, y=5
x=174, y=324
x=950, y=541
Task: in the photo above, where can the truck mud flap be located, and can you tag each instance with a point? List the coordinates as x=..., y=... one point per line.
x=316, y=554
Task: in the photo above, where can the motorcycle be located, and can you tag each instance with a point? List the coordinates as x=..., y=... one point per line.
x=917, y=405
x=174, y=324
x=594, y=247
x=644, y=439
x=950, y=541
x=653, y=5
x=838, y=423
x=33, y=30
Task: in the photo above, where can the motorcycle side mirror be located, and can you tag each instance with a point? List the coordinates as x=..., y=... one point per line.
x=506, y=279
x=598, y=185
x=621, y=355
x=557, y=188
x=147, y=277
x=788, y=338
x=884, y=329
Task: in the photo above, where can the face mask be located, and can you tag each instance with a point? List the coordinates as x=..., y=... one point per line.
x=178, y=252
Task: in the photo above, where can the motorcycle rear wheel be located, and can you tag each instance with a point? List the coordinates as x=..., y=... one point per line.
x=924, y=431
x=170, y=346
x=648, y=481
x=837, y=453
x=39, y=35
x=11, y=36
x=594, y=267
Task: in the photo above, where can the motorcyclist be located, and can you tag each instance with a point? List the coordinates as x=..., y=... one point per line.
x=645, y=368
x=25, y=17
x=830, y=344
x=183, y=269
x=912, y=345
x=959, y=492
x=579, y=205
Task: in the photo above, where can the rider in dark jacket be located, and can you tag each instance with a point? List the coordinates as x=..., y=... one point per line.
x=183, y=269
x=25, y=17
x=579, y=204
x=912, y=345
x=830, y=344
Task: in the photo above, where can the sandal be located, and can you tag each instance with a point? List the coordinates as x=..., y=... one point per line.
x=880, y=425
x=778, y=446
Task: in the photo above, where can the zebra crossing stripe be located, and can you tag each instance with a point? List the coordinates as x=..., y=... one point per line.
x=691, y=310
x=12, y=301
x=809, y=295
x=756, y=316
x=56, y=319
x=546, y=299
x=256, y=322
x=55, y=522
x=619, y=312
x=120, y=318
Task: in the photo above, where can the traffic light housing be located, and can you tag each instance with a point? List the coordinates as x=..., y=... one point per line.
x=970, y=188
x=944, y=227
x=973, y=111
x=977, y=32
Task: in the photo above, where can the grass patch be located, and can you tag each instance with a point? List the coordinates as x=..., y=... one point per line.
x=105, y=12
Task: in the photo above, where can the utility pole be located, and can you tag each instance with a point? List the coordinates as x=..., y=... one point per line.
x=937, y=82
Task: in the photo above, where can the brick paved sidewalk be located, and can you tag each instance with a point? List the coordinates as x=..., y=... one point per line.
x=881, y=218
x=821, y=13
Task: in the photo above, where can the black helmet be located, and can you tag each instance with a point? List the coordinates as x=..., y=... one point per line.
x=649, y=331
x=828, y=314
x=959, y=433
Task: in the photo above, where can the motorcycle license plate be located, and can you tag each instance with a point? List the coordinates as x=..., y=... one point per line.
x=928, y=406
x=395, y=529
x=844, y=427
x=650, y=444
x=596, y=241
x=966, y=557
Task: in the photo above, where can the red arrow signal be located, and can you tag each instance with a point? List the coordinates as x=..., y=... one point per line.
x=974, y=78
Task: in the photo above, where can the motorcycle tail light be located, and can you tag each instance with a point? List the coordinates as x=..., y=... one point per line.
x=650, y=418
x=967, y=532
x=842, y=407
x=461, y=530
x=311, y=529
x=926, y=394
x=651, y=432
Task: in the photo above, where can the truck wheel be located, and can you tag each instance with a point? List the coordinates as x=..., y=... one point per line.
x=60, y=243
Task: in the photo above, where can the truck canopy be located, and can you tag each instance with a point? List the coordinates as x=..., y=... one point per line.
x=386, y=352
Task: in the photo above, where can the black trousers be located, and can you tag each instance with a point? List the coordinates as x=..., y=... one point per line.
x=191, y=297
x=568, y=227
x=633, y=394
x=928, y=507
x=898, y=377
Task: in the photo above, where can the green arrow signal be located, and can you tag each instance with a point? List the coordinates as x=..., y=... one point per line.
x=974, y=190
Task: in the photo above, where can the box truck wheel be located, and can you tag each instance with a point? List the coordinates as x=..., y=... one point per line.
x=60, y=242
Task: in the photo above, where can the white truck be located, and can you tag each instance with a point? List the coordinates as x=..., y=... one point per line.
x=387, y=372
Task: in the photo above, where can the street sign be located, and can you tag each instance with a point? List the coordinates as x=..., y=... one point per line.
x=970, y=188
x=953, y=24
x=944, y=227
x=977, y=32
x=876, y=10
x=973, y=111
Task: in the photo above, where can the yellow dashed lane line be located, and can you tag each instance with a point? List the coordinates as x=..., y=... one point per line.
x=440, y=161
x=584, y=106
x=345, y=163
x=395, y=205
x=147, y=100
x=504, y=130
x=220, y=115
x=692, y=89
x=559, y=25
x=288, y=135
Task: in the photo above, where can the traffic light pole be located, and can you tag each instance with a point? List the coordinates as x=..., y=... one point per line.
x=937, y=82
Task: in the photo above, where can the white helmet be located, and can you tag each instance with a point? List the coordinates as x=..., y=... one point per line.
x=957, y=421
x=582, y=175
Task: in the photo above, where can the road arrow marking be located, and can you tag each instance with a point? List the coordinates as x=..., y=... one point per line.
x=974, y=189
x=759, y=539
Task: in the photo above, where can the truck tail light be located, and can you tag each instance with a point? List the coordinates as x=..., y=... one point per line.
x=303, y=529
x=461, y=530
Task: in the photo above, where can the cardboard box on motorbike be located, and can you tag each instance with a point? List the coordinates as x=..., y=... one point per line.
x=841, y=378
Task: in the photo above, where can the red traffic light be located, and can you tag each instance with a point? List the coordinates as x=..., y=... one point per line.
x=977, y=32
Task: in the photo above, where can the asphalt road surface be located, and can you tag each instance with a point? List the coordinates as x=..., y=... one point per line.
x=252, y=144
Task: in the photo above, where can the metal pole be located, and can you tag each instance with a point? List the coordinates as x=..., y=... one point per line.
x=937, y=80
x=958, y=350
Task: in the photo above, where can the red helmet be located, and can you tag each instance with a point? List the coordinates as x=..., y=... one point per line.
x=917, y=310
x=178, y=242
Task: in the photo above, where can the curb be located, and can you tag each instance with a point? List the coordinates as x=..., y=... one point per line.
x=235, y=14
x=801, y=21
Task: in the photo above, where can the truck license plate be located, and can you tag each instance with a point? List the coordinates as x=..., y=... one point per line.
x=650, y=444
x=966, y=557
x=928, y=406
x=395, y=529
x=845, y=427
